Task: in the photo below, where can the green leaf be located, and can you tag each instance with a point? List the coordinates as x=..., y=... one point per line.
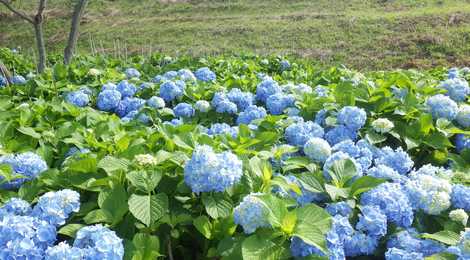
x=260, y=248
x=310, y=182
x=203, y=225
x=29, y=131
x=111, y=164
x=441, y=256
x=276, y=208
x=217, y=206
x=148, y=208
x=342, y=171
x=364, y=184
x=312, y=225
x=336, y=192
x=144, y=181
x=85, y=165
x=70, y=229
x=97, y=216
x=114, y=201
x=288, y=222
x=146, y=246
x=447, y=237
x=375, y=138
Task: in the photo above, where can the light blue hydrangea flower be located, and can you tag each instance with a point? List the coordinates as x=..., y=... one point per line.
x=126, y=89
x=292, y=111
x=302, y=89
x=408, y=240
x=338, y=156
x=184, y=110
x=74, y=150
x=108, y=100
x=128, y=105
x=174, y=122
x=222, y=128
x=384, y=172
x=342, y=227
x=320, y=117
x=15, y=207
x=360, y=244
x=462, y=142
x=462, y=249
x=398, y=159
x=298, y=134
x=78, y=98
x=441, y=106
x=460, y=197
x=463, y=116
x=353, y=118
x=144, y=86
x=132, y=73
x=251, y=214
x=400, y=254
x=169, y=75
x=202, y=106
x=251, y=113
x=457, y=89
x=372, y=221
x=186, y=75
x=340, y=133
x=28, y=164
x=240, y=98
x=171, y=90
x=65, y=251
x=3, y=81
x=341, y=208
x=267, y=88
x=99, y=243
x=109, y=86
x=299, y=248
x=362, y=155
x=24, y=237
x=277, y=103
x=226, y=107
x=453, y=73
x=56, y=207
x=285, y=65
x=393, y=201
x=18, y=80
x=209, y=171
x=156, y=102
x=399, y=93
x=321, y=91
x=317, y=149
x=205, y=74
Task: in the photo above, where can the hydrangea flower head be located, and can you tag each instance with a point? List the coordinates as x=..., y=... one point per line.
x=202, y=106
x=299, y=248
x=400, y=254
x=99, y=243
x=382, y=125
x=65, y=251
x=126, y=89
x=27, y=164
x=353, y=118
x=360, y=244
x=298, y=134
x=18, y=80
x=384, y=172
x=132, y=73
x=209, y=171
x=442, y=106
x=156, y=102
x=186, y=75
x=372, y=221
x=408, y=240
x=363, y=155
x=171, y=90
x=285, y=65
x=226, y=107
x=205, y=74
x=169, y=75
x=462, y=142
x=251, y=214
x=277, y=103
x=128, y=105
x=222, y=128
x=457, y=89
x=453, y=73
x=56, y=207
x=240, y=98
x=267, y=88
x=77, y=98
x=341, y=208
x=109, y=86
x=251, y=113
x=460, y=197
x=463, y=116
x=184, y=110
x=317, y=149
x=338, y=156
x=15, y=207
x=459, y=215
x=108, y=100
x=397, y=159
x=174, y=122
x=340, y=133
x=321, y=91
x=462, y=249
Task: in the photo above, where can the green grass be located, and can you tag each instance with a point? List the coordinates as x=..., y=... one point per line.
x=363, y=34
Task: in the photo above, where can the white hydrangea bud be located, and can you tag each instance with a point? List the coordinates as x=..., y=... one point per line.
x=203, y=106
x=94, y=72
x=382, y=125
x=145, y=160
x=459, y=215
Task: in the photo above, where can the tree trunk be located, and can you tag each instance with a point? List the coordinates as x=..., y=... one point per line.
x=73, y=36
x=41, y=47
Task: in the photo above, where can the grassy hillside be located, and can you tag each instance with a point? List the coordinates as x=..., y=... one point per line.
x=364, y=34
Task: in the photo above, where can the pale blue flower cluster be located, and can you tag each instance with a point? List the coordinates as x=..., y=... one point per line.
x=372, y=221
x=441, y=106
x=362, y=155
x=400, y=254
x=128, y=105
x=202, y=106
x=462, y=142
x=78, y=98
x=132, y=73
x=156, y=102
x=184, y=110
x=340, y=133
x=18, y=80
x=174, y=122
x=74, y=150
x=408, y=241
x=126, y=89
x=186, y=75
x=251, y=113
x=321, y=91
x=457, y=89
x=29, y=165
x=360, y=244
x=341, y=208
x=15, y=206
x=317, y=149
x=384, y=172
x=453, y=73
x=338, y=156
x=210, y=171
x=267, y=88
x=171, y=90
x=222, y=128
x=285, y=65
x=398, y=159
x=463, y=116
x=462, y=249
x=223, y=105
x=56, y=207
x=65, y=251
x=99, y=242
x=205, y=74
x=299, y=248
x=460, y=197
x=251, y=214
x=108, y=100
x=242, y=99
x=353, y=118
x=298, y=134
x=277, y=103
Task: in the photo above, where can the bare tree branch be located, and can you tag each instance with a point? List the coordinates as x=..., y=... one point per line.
x=21, y=14
x=74, y=30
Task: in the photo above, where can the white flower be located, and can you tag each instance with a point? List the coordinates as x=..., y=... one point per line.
x=459, y=215
x=94, y=72
x=146, y=160
x=382, y=125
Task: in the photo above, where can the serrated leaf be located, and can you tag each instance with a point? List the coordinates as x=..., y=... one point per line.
x=113, y=200
x=148, y=208
x=216, y=205
x=312, y=225
x=70, y=229
x=203, y=225
x=259, y=248
x=29, y=131
x=364, y=184
x=146, y=245
x=97, y=216
x=111, y=164
x=447, y=237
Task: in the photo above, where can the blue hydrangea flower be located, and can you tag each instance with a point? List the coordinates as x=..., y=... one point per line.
x=156, y=102
x=299, y=248
x=240, y=98
x=132, y=73
x=372, y=221
x=226, y=107
x=321, y=91
x=126, y=89
x=320, y=117
x=361, y=154
x=342, y=227
x=171, y=90
x=56, y=207
x=340, y=133
x=317, y=149
x=109, y=86
x=144, y=86
x=338, y=156
x=408, y=240
x=186, y=75
x=78, y=98
x=267, y=88
x=302, y=89
x=277, y=103
x=453, y=73
x=442, y=106
x=251, y=214
x=305, y=197
x=462, y=142
x=298, y=134
x=218, y=98
x=400, y=254
x=205, y=74
x=65, y=251
x=183, y=110
x=341, y=208
x=285, y=65
x=174, y=122
x=15, y=207
x=463, y=116
x=99, y=243
x=128, y=105
x=400, y=93
x=462, y=249
x=18, y=80
x=28, y=164
x=292, y=111
x=457, y=89
x=169, y=75
x=251, y=113
x=3, y=81
x=384, y=172
x=393, y=201
x=74, y=150
x=108, y=100
x=460, y=197
x=353, y=118
x=209, y=171
x=202, y=106
x=360, y=244
x=398, y=159
x=222, y=128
